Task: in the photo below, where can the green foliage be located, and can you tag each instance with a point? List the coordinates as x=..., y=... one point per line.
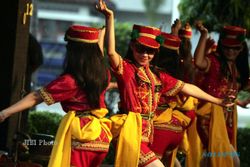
x=44, y=122
x=244, y=146
x=215, y=14
x=122, y=37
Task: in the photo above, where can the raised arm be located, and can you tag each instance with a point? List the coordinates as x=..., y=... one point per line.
x=27, y=102
x=176, y=26
x=114, y=57
x=101, y=39
x=200, y=52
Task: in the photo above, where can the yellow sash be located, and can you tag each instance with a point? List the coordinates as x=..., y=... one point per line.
x=218, y=138
x=194, y=154
x=129, y=140
x=70, y=128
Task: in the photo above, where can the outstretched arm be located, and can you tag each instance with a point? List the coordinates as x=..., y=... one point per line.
x=196, y=92
x=199, y=54
x=114, y=57
x=28, y=101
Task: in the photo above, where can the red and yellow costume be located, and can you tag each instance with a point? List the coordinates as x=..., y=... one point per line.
x=84, y=134
x=172, y=118
x=216, y=126
x=173, y=115
x=140, y=90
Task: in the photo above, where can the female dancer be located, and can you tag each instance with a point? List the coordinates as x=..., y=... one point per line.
x=84, y=134
x=140, y=88
x=226, y=72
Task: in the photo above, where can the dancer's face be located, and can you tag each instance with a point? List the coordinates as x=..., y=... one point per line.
x=231, y=53
x=143, y=54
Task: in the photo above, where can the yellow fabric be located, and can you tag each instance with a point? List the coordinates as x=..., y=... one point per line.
x=172, y=158
x=190, y=104
x=218, y=138
x=70, y=128
x=129, y=140
x=167, y=115
x=117, y=123
x=193, y=156
x=184, y=145
x=235, y=123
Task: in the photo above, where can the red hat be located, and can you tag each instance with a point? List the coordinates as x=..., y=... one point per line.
x=171, y=41
x=80, y=33
x=146, y=35
x=232, y=35
x=186, y=31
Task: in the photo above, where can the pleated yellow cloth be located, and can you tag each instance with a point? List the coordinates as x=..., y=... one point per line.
x=128, y=128
x=194, y=154
x=219, y=143
x=70, y=128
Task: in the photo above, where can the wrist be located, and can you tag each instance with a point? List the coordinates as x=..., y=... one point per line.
x=2, y=116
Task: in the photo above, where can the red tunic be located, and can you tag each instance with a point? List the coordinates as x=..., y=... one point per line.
x=216, y=84
x=140, y=90
x=66, y=91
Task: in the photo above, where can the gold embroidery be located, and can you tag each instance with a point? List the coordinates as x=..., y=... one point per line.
x=48, y=99
x=178, y=86
x=92, y=146
x=144, y=158
x=171, y=127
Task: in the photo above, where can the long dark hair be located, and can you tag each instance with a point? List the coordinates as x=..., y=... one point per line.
x=241, y=63
x=168, y=60
x=187, y=67
x=85, y=62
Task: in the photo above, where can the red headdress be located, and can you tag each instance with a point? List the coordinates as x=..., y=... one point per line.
x=147, y=36
x=232, y=36
x=186, y=31
x=80, y=33
x=171, y=41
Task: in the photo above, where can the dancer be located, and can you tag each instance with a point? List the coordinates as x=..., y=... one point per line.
x=140, y=88
x=84, y=135
x=227, y=72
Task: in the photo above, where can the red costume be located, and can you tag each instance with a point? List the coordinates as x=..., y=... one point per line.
x=217, y=85
x=66, y=91
x=83, y=135
x=140, y=90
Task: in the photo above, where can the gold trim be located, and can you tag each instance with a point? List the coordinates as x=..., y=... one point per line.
x=171, y=47
x=178, y=86
x=144, y=158
x=48, y=99
x=82, y=40
x=92, y=146
x=147, y=35
x=177, y=129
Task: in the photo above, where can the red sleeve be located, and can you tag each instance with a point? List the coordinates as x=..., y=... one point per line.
x=61, y=89
x=170, y=85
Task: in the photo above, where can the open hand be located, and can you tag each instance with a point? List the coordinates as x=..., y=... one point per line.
x=102, y=7
x=176, y=26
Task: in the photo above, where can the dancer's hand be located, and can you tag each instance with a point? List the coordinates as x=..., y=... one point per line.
x=243, y=104
x=102, y=7
x=200, y=27
x=2, y=116
x=176, y=26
